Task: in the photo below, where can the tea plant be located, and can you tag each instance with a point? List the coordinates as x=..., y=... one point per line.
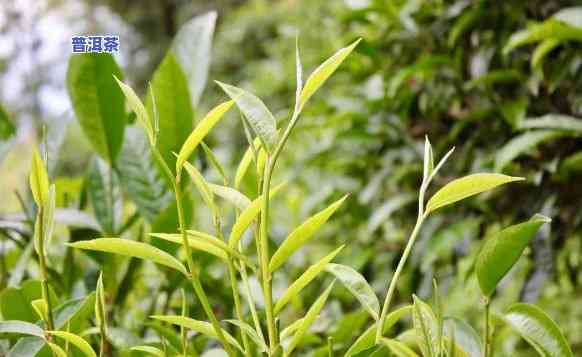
x=257, y=332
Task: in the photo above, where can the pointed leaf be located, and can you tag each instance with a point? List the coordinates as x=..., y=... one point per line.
x=323, y=72
x=256, y=112
x=553, y=121
x=149, y=349
x=467, y=186
x=538, y=329
x=302, y=234
x=75, y=340
x=358, y=286
x=39, y=182
x=131, y=249
x=247, y=216
x=137, y=106
x=97, y=100
x=501, y=251
x=251, y=333
x=202, y=327
x=21, y=327
x=311, y=273
x=200, y=132
x=522, y=144
x=309, y=318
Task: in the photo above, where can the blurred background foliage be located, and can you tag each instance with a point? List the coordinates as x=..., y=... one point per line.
x=499, y=81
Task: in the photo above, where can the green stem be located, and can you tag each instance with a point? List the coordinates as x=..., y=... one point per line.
x=183, y=335
x=486, y=333
x=192, y=268
x=392, y=287
x=44, y=271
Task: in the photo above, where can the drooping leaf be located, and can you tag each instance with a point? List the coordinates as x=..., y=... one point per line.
x=550, y=29
x=97, y=100
x=357, y=285
x=173, y=106
x=238, y=199
x=554, y=121
x=323, y=72
x=200, y=132
x=248, y=216
x=256, y=112
x=104, y=192
x=467, y=186
x=538, y=329
x=20, y=327
x=522, y=144
x=302, y=234
x=139, y=176
x=141, y=113
x=251, y=333
x=501, y=251
x=192, y=45
x=149, y=350
x=202, y=327
x=398, y=348
x=75, y=340
x=57, y=350
x=311, y=273
x=309, y=318
x=464, y=336
x=39, y=182
x=131, y=249
x=544, y=48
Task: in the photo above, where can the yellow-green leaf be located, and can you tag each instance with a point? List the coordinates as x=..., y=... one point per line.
x=202, y=327
x=245, y=162
x=323, y=72
x=501, y=251
x=238, y=199
x=538, y=329
x=149, y=349
x=311, y=273
x=57, y=350
x=302, y=234
x=40, y=307
x=140, y=111
x=248, y=216
x=398, y=348
x=39, y=182
x=201, y=130
x=201, y=185
x=467, y=186
x=100, y=302
x=75, y=340
x=131, y=248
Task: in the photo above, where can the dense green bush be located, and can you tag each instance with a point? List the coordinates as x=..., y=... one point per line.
x=478, y=76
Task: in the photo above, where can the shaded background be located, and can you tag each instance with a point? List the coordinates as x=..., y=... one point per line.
x=424, y=68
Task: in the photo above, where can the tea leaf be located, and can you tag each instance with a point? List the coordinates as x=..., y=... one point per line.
x=21, y=327
x=214, y=161
x=149, y=349
x=553, y=121
x=501, y=251
x=248, y=216
x=367, y=339
x=201, y=185
x=195, y=243
x=141, y=113
x=57, y=350
x=522, y=144
x=201, y=130
x=467, y=186
x=104, y=192
x=97, y=101
x=251, y=333
x=541, y=51
x=238, y=199
x=75, y=340
x=202, y=327
x=131, y=249
x=302, y=234
x=38, y=179
x=173, y=105
x=358, y=286
x=100, y=303
x=192, y=46
x=464, y=336
x=311, y=273
x=538, y=329
x=323, y=72
x=41, y=308
x=245, y=162
x=256, y=112
x=426, y=327
x=309, y=318
x=398, y=348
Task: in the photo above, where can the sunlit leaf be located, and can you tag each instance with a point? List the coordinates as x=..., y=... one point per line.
x=357, y=285
x=544, y=48
x=553, y=121
x=57, y=350
x=238, y=199
x=538, y=329
x=149, y=350
x=21, y=327
x=323, y=72
x=200, y=132
x=467, y=186
x=245, y=162
x=137, y=106
x=201, y=185
x=308, y=275
x=302, y=234
x=39, y=182
x=501, y=251
x=75, y=340
x=131, y=249
x=398, y=348
x=251, y=333
x=309, y=318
